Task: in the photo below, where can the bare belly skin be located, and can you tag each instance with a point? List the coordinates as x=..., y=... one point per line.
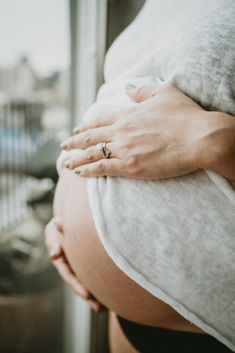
x=118, y=342
x=96, y=270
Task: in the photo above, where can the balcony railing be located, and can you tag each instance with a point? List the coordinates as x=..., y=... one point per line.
x=20, y=136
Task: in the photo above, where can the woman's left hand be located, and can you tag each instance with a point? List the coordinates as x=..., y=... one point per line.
x=158, y=137
x=54, y=240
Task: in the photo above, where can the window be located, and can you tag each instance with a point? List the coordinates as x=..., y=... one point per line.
x=34, y=118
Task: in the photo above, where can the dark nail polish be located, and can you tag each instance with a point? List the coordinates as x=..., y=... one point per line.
x=130, y=86
x=67, y=164
x=64, y=145
x=76, y=131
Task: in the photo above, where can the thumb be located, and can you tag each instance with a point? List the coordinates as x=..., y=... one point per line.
x=58, y=224
x=142, y=93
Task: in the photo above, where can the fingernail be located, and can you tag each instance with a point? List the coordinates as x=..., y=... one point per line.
x=64, y=145
x=77, y=171
x=54, y=253
x=76, y=130
x=130, y=86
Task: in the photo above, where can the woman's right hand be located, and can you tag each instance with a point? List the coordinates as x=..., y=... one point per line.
x=54, y=239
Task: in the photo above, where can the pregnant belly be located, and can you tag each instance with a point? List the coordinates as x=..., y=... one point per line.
x=95, y=268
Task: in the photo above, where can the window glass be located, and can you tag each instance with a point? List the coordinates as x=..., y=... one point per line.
x=34, y=118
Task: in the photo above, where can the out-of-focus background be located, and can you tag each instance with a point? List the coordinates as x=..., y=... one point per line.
x=51, y=59
x=34, y=117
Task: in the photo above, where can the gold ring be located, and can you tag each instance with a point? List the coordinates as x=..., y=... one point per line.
x=104, y=150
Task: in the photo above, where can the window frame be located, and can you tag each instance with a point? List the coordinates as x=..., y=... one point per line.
x=85, y=332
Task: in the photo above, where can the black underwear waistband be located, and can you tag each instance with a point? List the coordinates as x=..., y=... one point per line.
x=147, y=339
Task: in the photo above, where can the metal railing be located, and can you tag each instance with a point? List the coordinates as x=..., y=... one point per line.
x=20, y=133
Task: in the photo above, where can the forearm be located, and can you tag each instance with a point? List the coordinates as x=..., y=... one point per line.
x=216, y=150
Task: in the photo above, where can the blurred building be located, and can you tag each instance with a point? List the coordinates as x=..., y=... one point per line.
x=23, y=82
x=18, y=81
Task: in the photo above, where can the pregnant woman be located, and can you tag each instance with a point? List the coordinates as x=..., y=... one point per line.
x=150, y=231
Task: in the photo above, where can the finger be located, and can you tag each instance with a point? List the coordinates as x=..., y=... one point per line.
x=47, y=232
x=52, y=241
x=102, y=308
x=68, y=276
x=89, y=155
x=55, y=252
x=58, y=224
x=96, y=306
x=140, y=94
x=106, y=119
x=53, y=229
x=104, y=167
x=87, y=138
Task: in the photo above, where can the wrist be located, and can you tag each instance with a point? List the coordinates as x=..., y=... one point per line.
x=216, y=147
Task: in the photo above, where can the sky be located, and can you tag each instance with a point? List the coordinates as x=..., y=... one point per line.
x=36, y=28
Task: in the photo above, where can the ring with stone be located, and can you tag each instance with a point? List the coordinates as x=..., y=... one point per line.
x=104, y=150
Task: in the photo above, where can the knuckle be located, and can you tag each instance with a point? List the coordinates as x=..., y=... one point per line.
x=127, y=126
x=125, y=147
x=132, y=163
x=87, y=136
